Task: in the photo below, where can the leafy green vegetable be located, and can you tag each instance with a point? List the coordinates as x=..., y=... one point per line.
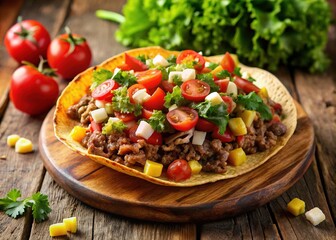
x=213, y=65
x=251, y=79
x=15, y=208
x=174, y=98
x=237, y=72
x=113, y=127
x=224, y=74
x=208, y=78
x=125, y=78
x=216, y=114
x=121, y=102
x=262, y=33
x=252, y=101
x=100, y=76
x=158, y=121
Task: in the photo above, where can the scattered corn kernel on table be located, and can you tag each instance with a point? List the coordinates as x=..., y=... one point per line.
x=316, y=93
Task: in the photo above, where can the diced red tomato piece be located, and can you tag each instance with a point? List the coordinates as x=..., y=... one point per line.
x=190, y=56
x=155, y=138
x=205, y=125
x=222, y=84
x=230, y=104
x=150, y=78
x=179, y=170
x=125, y=117
x=182, y=118
x=146, y=113
x=195, y=90
x=226, y=137
x=245, y=85
x=135, y=64
x=167, y=86
x=133, y=89
x=228, y=63
x=240, y=140
x=156, y=101
x=124, y=67
x=94, y=126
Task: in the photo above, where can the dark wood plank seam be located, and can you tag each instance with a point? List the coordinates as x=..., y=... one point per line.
x=274, y=221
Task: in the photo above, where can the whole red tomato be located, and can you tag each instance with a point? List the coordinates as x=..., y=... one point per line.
x=31, y=91
x=69, y=54
x=27, y=40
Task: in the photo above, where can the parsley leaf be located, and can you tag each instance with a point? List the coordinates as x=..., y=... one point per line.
x=164, y=72
x=121, y=102
x=100, y=76
x=174, y=97
x=213, y=65
x=251, y=79
x=208, y=78
x=113, y=126
x=214, y=113
x=125, y=78
x=15, y=208
x=142, y=58
x=253, y=102
x=224, y=74
x=171, y=59
x=237, y=72
x=158, y=121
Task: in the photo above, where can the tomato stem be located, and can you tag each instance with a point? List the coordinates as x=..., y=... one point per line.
x=24, y=33
x=73, y=41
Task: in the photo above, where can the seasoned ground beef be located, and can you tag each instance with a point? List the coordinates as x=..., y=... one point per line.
x=81, y=110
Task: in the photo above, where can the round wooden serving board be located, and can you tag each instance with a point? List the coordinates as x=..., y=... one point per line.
x=111, y=191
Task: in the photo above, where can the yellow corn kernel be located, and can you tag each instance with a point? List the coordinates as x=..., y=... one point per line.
x=248, y=117
x=237, y=126
x=296, y=206
x=57, y=229
x=216, y=70
x=12, y=139
x=237, y=157
x=70, y=224
x=263, y=93
x=153, y=169
x=23, y=145
x=195, y=166
x=78, y=133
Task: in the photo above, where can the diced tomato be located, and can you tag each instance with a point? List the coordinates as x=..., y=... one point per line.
x=195, y=90
x=167, y=86
x=276, y=118
x=104, y=90
x=206, y=70
x=156, y=101
x=155, y=138
x=133, y=89
x=190, y=56
x=135, y=64
x=230, y=104
x=277, y=108
x=94, y=126
x=205, y=125
x=228, y=63
x=124, y=67
x=146, y=113
x=226, y=137
x=245, y=85
x=179, y=170
x=150, y=78
x=125, y=117
x=182, y=118
x=222, y=84
x=240, y=140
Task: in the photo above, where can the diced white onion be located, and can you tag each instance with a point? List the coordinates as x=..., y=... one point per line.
x=315, y=216
x=140, y=96
x=172, y=75
x=207, y=64
x=99, y=115
x=188, y=74
x=172, y=107
x=246, y=75
x=100, y=104
x=130, y=124
x=198, y=137
x=214, y=98
x=144, y=130
x=158, y=60
x=232, y=89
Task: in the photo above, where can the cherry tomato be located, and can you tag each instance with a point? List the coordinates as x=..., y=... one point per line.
x=124, y=67
x=69, y=54
x=133, y=89
x=146, y=113
x=150, y=78
x=228, y=63
x=230, y=104
x=125, y=117
x=182, y=118
x=205, y=125
x=167, y=86
x=134, y=64
x=245, y=85
x=156, y=101
x=179, y=170
x=27, y=41
x=31, y=91
x=222, y=84
x=190, y=56
x=195, y=90
x=226, y=137
x=154, y=139
x=104, y=90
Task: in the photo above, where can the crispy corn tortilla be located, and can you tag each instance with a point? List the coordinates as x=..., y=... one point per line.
x=81, y=83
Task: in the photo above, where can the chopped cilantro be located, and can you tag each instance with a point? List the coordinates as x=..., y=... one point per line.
x=177, y=80
x=164, y=72
x=208, y=78
x=100, y=76
x=125, y=78
x=214, y=113
x=237, y=72
x=158, y=121
x=252, y=101
x=213, y=65
x=174, y=98
x=121, y=102
x=251, y=79
x=113, y=126
x=172, y=59
x=142, y=58
x=223, y=74
x=15, y=208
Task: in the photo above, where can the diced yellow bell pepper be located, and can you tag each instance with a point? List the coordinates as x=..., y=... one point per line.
x=23, y=145
x=57, y=229
x=263, y=93
x=12, y=139
x=248, y=117
x=153, y=169
x=195, y=166
x=237, y=157
x=78, y=133
x=70, y=224
x=296, y=206
x=216, y=70
x=237, y=126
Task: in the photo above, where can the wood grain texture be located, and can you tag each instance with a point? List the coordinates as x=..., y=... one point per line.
x=118, y=193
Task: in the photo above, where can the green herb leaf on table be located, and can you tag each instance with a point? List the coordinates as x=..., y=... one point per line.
x=252, y=101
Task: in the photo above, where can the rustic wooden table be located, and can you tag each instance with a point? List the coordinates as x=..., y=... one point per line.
x=316, y=93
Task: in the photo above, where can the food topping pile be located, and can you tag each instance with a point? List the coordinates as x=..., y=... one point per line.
x=176, y=116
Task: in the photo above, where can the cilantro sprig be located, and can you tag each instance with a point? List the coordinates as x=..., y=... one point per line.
x=158, y=121
x=15, y=208
x=252, y=101
x=174, y=97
